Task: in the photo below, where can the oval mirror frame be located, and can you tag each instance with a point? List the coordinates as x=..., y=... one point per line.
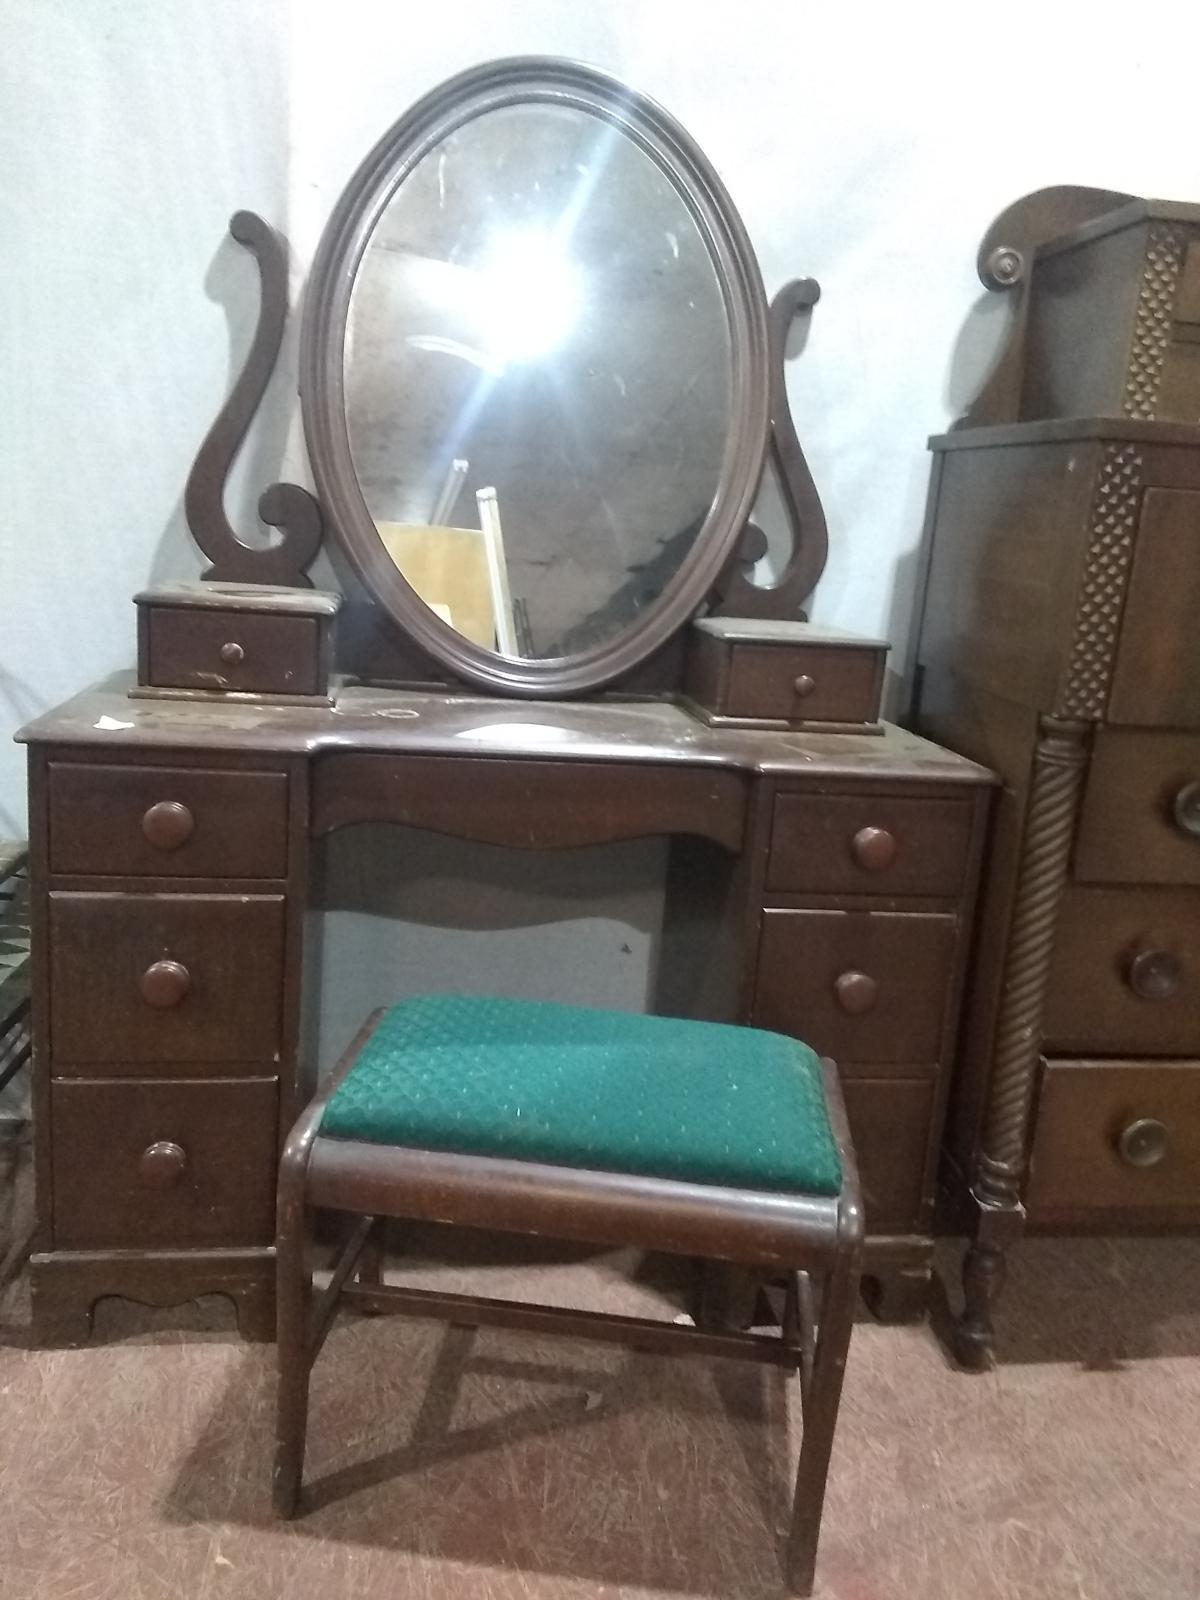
x=521, y=80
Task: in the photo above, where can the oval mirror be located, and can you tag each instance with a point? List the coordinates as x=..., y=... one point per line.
x=534, y=376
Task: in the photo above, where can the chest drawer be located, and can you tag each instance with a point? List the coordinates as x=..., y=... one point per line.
x=868, y=844
x=164, y=1163
x=174, y=822
x=863, y=987
x=165, y=978
x=1140, y=821
x=1116, y=1136
x=1125, y=976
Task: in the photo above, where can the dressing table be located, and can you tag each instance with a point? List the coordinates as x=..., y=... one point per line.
x=591, y=446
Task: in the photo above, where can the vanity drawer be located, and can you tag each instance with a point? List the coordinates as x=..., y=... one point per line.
x=252, y=652
x=862, y=987
x=174, y=822
x=1115, y=1136
x=806, y=683
x=165, y=978
x=868, y=844
x=1141, y=813
x=1125, y=976
x=889, y=1123
x=162, y=1164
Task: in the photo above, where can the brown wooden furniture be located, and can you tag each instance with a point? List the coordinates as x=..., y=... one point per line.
x=814, y=1240
x=820, y=883
x=1059, y=646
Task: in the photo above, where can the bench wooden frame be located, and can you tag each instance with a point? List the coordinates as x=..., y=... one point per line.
x=813, y=1242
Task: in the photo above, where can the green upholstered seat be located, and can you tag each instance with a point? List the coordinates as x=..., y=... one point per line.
x=603, y=1090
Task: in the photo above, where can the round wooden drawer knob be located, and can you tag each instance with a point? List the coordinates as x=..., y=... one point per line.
x=874, y=848
x=1187, y=809
x=232, y=654
x=1143, y=1143
x=168, y=824
x=164, y=984
x=804, y=685
x=1155, y=974
x=856, y=992
x=162, y=1164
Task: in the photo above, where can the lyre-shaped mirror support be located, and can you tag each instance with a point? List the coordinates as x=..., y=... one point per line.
x=284, y=506
x=783, y=599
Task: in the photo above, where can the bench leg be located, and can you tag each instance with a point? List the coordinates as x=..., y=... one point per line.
x=293, y=1306
x=824, y=1393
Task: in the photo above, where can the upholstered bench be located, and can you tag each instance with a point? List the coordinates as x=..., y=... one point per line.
x=700, y=1139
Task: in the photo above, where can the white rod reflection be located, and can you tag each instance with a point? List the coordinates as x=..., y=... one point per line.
x=459, y=468
x=493, y=540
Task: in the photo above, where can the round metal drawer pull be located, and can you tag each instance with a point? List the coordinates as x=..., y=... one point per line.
x=874, y=848
x=164, y=984
x=1187, y=809
x=168, y=824
x=232, y=654
x=856, y=992
x=1154, y=974
x=804, y=685
x=1144, y=1143
x=162, y=1164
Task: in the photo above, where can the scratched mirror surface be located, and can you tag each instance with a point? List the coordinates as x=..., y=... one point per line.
x=538, y=379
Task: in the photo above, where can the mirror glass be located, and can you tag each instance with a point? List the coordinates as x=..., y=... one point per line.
x=538, y=379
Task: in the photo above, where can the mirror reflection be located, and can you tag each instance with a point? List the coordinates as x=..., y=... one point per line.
x=537, y=379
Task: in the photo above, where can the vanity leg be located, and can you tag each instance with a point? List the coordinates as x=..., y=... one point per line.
x=62, y=1317
x=898, y=1296
x=256, y=1311
x=726, y=1297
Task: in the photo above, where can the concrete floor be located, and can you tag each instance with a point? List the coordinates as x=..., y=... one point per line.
x=445, y=1463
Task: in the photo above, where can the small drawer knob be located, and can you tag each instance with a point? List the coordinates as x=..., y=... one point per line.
x=162, y=1164
x=232, y=653
x=856, y=992
x=1154, y=974
x=874, y=848
x=168, y=824
x=164, y=984
x=804, y=685
x=1187, y=809
x=1144, y=1143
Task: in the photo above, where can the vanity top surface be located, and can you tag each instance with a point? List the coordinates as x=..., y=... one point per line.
x=423, y=723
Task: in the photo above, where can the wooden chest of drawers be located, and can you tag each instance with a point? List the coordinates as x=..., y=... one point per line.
x=1060, y=645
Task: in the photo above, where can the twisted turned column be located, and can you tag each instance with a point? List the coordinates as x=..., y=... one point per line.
x=1059, y=763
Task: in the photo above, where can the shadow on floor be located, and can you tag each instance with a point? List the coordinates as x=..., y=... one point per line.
x=525, y=1455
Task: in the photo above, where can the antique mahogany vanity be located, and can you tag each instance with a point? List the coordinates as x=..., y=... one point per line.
x=1060, y=645
x=570, y=472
